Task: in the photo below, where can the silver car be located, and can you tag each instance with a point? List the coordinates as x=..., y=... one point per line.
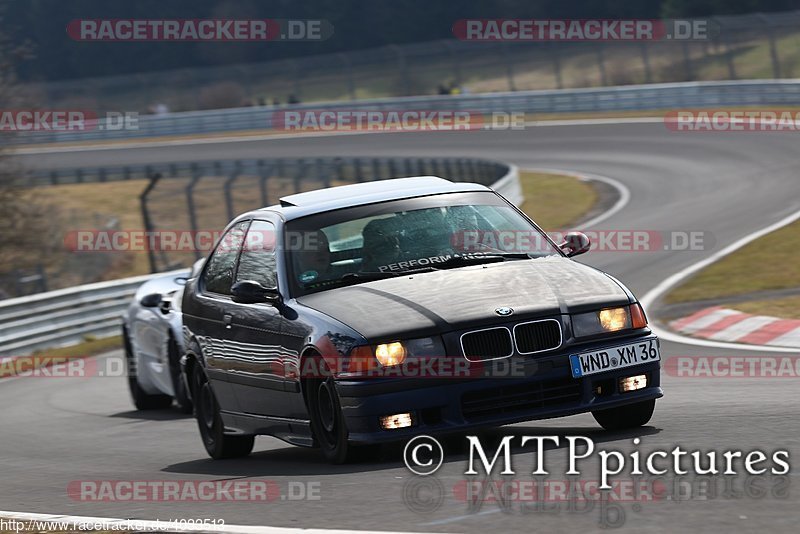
x=152, y=334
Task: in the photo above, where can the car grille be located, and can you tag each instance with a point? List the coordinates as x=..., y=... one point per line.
x=537, y=336
x=519, y=397
x=487, y=344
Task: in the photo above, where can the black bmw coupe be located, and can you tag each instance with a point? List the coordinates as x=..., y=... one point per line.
x=374, y=312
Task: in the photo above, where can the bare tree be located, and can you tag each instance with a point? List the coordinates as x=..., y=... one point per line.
x=24, y=235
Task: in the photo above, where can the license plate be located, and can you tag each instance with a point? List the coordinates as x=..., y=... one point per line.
x=600, y=361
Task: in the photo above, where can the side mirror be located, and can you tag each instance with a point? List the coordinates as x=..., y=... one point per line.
x=251, y=292
x=575, y=243
x=151, y=300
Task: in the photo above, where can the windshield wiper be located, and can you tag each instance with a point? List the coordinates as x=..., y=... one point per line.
x=476, y=259
x=364, y=276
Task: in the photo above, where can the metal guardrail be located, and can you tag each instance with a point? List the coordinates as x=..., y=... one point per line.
x=68, y=316
x=65, y=316
x=620, y=98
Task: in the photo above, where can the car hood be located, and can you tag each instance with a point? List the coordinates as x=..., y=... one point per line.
x=440, y=301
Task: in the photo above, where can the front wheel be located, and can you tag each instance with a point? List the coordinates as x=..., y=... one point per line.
x=624, y=417
x=209, y=421
x=327, y=420
x=141, y=399
x=178, y=384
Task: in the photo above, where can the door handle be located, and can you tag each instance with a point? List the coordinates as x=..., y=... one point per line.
x=227, y=320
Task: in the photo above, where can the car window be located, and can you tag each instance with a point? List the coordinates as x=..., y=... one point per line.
x=218, y=276
x=257, y=261
x=393, y=237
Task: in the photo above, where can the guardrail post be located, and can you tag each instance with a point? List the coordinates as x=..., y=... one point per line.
x=648, y=77
x=376, y=169
x=437, y=167
x=146, y=221
x=773, y=49
x=298, y=175
x=190, y=203
x=262, y=181
x=402, y=68
x=601, y=63
x=556, y=54
x=687, y=60
x=455, y=60
x=448, y=168
x=237, y=169
x=322, y=175
x=509, y=66
x=348, y=74
x=462, y=169
x=359, y=175
x=728, y=49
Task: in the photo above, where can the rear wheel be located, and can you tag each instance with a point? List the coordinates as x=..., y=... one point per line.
x=628, y=416
x=209, y=421
x=141, y=399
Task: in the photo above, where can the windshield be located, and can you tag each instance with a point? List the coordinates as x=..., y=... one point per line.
x=365, y=243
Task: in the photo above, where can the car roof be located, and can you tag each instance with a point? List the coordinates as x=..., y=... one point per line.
x=345, y=196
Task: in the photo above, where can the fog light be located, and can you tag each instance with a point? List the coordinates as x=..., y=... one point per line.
x=399, y=420
x=632, y=383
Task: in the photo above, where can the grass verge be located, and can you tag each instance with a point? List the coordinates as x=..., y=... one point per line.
x=555, y=201
x=787, y=307
x=769, y=263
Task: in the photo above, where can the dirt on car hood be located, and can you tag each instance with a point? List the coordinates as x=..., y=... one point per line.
x=453, y=299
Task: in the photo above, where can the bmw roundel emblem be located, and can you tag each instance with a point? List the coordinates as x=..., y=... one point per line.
x=504, y=310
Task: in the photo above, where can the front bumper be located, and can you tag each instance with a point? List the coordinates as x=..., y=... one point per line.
x=545, y=389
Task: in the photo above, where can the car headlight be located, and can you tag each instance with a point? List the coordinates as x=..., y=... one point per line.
x=614, y=319
x=389, y=354
x=608, y=320
x=365, y=358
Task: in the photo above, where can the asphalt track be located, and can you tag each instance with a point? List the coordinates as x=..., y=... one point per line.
x=58, y=430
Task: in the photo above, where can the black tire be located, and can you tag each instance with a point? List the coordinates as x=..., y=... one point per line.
x=327, y=421
x=624, y=417
x=218, y=444
x=141, y=399
x=178, y=383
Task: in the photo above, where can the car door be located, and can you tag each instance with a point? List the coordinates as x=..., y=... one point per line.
x=256, y=330
x=149, y=336
x=210, y=315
